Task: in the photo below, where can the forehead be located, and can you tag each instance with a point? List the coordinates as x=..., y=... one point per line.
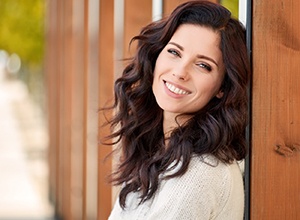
x=198, y=39
x=197, y=33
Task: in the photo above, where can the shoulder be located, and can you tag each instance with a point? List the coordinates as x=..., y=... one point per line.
x=206, y=177
x=221, y=183
x=208, y=169
x=216, y=176
x=209, y=187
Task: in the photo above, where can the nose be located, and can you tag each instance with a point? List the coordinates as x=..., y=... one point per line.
x=181, y=71
x=181, y=74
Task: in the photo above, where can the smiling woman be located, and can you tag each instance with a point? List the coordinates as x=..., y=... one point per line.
x=181, y=113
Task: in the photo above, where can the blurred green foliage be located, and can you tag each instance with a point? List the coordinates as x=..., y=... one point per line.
x=22, y=29
x=232, y=6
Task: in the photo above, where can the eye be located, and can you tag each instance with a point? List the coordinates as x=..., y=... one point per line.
x=174, y=52
x=205, y=66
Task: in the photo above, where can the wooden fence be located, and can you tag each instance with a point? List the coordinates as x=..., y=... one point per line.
x=85, y=40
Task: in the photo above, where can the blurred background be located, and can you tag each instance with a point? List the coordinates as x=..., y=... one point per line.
x=23, y=125
x=58, y=61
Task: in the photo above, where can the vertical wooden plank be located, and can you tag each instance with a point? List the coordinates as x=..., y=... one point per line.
x=106, y=78
x=91, y=109
x=85, y=57
x=170, y=5
x=77, y=106
x=137, y=14
x=275, y=170
x=65, y=109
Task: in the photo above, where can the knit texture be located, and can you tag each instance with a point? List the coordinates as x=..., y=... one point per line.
x=209, y=189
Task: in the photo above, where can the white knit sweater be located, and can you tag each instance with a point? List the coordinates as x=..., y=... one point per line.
x=208, y=190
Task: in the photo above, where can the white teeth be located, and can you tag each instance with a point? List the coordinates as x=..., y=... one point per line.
x=175, y=90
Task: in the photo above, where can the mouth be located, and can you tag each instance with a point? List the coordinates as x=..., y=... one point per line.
x=172, y=88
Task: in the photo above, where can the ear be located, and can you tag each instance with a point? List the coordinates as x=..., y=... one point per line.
x=220, y=94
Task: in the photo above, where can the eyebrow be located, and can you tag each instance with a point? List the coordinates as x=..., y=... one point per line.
x=198, y=56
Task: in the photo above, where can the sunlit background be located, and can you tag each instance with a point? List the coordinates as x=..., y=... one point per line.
x=24, y=137
x=23, y=128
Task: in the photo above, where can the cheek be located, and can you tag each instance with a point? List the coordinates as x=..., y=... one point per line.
x=208, y=88
x=157, y=66
x=157, y=71
x=162, y=63
x=155, y=76
x=155, y=80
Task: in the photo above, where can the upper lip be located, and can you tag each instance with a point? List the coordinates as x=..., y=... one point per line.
x=177, y=86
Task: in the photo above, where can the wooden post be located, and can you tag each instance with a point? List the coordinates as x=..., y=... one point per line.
x=77, y=106
x=170, y=5
x=91, y=97
x=136, y=15
x=275, y=159
x=105, y=81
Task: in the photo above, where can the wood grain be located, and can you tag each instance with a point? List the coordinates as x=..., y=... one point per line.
x=275, y=159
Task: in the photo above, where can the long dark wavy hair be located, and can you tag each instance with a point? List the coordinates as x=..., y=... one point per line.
x=217, y=129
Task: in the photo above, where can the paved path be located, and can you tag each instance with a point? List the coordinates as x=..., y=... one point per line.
x=23, y=168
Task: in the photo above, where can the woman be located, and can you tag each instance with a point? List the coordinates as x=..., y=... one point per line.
x=181, y=113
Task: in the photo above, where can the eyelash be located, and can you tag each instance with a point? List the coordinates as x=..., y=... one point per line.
x=202, y=65
x=174, y=52
x=206, y=66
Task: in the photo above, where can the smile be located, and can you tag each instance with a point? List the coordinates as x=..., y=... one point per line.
x=175, y=89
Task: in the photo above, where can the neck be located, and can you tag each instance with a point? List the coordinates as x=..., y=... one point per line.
x=171, y=122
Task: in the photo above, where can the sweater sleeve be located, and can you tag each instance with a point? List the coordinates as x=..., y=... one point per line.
x=201, y=193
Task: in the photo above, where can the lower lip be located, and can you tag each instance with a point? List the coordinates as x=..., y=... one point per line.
x=173, y=95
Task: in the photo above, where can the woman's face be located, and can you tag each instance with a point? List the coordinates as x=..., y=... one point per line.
x=189, y=71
